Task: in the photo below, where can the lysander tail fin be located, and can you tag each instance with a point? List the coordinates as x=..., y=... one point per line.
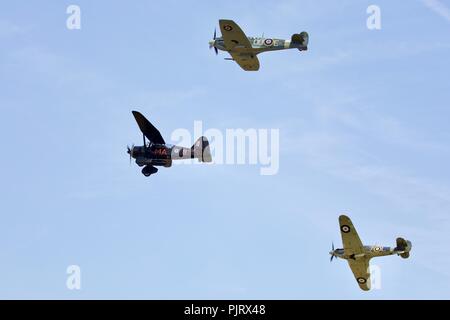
x=201, y=150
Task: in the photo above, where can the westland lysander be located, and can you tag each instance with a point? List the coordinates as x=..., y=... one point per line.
x=156, y=152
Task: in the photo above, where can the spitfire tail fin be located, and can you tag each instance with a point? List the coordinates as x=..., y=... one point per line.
x=301, y=40
x=201, y=150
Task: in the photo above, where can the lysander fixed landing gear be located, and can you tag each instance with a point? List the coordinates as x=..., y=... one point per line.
x=149, y=170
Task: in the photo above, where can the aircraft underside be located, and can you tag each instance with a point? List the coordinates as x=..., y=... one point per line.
x=154, y=162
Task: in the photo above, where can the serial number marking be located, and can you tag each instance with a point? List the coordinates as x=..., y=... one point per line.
x=234, y=310
x=242, y=309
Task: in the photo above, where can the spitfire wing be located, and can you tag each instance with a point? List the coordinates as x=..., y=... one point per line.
x=238, y=45
x=350, y=239
x=233, y=36
x=148, y=129
x=248, y=62
x=360, y=269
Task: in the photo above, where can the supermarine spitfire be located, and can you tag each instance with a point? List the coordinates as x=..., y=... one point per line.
x=157, y=153
x=244, y=49
x=358, y=255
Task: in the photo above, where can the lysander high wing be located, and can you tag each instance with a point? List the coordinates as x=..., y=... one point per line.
x=233, y=36
x=350, y=239
x=148, y=129
x=248, y=62
x=360, y=269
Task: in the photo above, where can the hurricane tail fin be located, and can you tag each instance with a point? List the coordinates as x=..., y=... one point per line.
x=404, y=246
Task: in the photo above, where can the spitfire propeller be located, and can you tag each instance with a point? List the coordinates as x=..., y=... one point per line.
x=212, y=43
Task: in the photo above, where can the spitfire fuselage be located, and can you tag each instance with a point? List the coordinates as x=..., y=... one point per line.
x=259, y=44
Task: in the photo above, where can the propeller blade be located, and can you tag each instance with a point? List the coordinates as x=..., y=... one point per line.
x=214, y=34
x=148, y=130
x=130, y=151
x=332, y=251
x=217, y=51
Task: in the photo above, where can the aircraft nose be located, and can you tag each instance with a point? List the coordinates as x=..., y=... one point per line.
x=130, y=151
x=211, y=43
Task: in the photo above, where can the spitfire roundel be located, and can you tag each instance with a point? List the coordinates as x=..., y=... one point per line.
x=227, y=27
x=345, y=228
x=268, y=42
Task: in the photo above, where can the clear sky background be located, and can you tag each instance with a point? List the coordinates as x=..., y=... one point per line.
x=364, y=130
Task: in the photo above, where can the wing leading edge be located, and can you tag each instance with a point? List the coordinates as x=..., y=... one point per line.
x=233, y=36
x=148, y=129
x=350, y=239
x=352, y=248
x=238, y=45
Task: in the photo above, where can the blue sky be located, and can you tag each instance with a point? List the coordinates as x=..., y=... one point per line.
x=363, y=119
